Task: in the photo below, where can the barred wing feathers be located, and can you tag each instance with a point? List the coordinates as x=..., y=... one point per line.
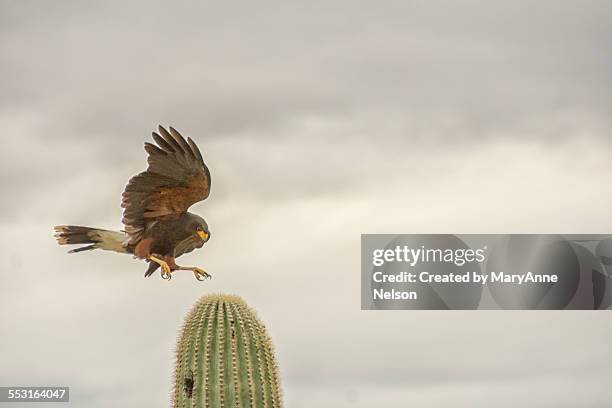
x=175, y=179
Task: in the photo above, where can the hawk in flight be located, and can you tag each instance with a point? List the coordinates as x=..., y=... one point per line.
x=158, y=227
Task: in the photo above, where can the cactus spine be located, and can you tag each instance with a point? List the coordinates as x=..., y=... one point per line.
x=225, y=358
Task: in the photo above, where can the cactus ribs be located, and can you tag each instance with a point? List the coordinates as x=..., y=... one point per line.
x=158, y=227
x=225, y=358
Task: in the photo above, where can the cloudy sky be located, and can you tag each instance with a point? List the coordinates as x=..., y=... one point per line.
x=319, y=121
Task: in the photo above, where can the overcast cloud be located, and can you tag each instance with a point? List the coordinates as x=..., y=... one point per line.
x=319, y=121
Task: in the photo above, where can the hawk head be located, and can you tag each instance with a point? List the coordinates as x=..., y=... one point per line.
x=197, y=225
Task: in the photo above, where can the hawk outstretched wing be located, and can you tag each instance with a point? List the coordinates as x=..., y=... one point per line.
x=175, y=179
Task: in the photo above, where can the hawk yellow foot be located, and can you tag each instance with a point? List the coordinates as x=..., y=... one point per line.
x=166, y=272
x=201, y=274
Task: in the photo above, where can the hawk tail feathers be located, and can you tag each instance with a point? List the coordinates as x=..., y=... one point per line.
x=98, y=238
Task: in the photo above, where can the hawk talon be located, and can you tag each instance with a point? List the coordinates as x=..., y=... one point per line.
x=201, y=274
x=166, y=272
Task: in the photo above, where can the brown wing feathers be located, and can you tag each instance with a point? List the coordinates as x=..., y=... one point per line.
x=175, y=179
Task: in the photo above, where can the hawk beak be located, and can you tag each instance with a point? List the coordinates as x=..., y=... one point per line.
x=204, y=235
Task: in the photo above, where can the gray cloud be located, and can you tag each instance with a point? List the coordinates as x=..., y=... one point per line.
x=97, y=69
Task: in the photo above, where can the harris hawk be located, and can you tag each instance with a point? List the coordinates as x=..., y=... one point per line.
x=158, y=227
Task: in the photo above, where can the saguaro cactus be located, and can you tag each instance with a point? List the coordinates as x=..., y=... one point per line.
x=224, y=358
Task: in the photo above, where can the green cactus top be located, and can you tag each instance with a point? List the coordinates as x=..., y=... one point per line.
x=225, y=358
